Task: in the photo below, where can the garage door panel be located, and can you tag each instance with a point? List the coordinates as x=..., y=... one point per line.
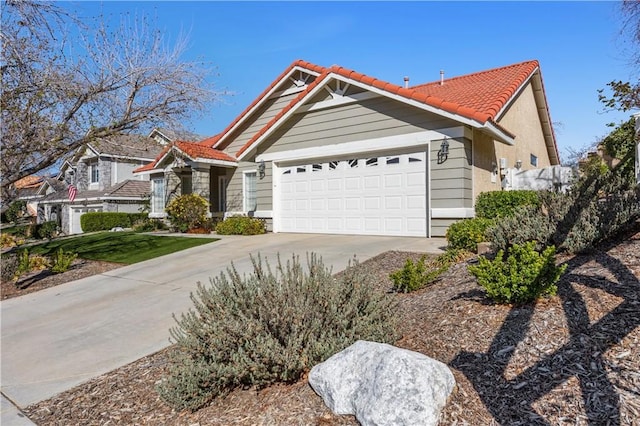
x=383, y=195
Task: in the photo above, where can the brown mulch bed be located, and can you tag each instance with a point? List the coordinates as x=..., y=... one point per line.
x=29, y=283
x=570, y=359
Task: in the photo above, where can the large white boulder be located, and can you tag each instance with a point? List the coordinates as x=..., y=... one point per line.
x=383, y=385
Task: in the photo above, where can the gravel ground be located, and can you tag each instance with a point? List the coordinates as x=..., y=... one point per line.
x=570, y=359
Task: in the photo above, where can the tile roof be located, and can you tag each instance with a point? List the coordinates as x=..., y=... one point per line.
x=29, y=182
x=178, y=135
x=212, y=141
x=486, y=92
x=126, y=189
x=192, y=150
x=479, y=96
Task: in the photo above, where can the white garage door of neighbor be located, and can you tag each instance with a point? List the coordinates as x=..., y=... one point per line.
x=76, y=213
x=385, y=195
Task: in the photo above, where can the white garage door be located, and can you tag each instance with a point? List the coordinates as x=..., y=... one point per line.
x=76, y=213
x=385, y=195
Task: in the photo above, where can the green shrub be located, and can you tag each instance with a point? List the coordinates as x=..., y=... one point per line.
x=412, y=276
x=38, y=262
x=15, y=211
x=494, y=204
x=467, y=233
x=187, y=212
x=62, y=261
x=257, y=329
x=241, y=225
x=24, y=265
x=148, y=225
x=522, y=276
x=103, y=221
x=47, y=230
x=562, y=222
x=10, y=240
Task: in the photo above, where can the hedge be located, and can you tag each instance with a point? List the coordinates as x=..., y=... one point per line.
x=103, y=221
x=494, y=204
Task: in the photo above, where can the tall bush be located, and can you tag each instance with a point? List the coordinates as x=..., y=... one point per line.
x=103, y=221
x=266, y=327
x=188, y=211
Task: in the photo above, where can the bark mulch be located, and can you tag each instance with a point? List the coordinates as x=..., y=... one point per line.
x=570, y=359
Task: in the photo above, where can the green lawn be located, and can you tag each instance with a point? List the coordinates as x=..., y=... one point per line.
x=120, y=247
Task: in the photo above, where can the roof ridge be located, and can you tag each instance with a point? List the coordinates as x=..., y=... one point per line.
x=532, y=62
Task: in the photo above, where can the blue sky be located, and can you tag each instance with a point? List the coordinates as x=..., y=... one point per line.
x=251, y=43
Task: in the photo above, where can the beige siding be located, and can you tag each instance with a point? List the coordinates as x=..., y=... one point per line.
x=521, y=119
x=451, y=181
x=373, y=118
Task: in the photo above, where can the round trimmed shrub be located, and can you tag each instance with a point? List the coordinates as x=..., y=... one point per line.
x=467, y=233
x=494, y=204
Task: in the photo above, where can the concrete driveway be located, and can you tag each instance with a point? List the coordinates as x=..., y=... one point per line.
x=59, y=337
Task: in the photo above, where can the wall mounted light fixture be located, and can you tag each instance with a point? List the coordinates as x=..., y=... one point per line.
x=443, y=153
x=518, y=164
x=261, y=169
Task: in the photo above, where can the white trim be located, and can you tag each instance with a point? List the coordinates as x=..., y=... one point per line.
x=263, y=100
x=428, y=190
x=222, y=163
x=244, y=188
x=149, y=172
x=260, y=214
x=222, y=187
x=338, y=100
x=386, y=143
x=453, y=213
x=275, y=196
x=289, y=91
x=157, y=215
x=519, y=90
x=493, y=130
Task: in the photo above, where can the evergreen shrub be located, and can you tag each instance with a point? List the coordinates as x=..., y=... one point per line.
x=266, y=327
x=241, y=225
x=103, y=221
x=467, y=233
x=494, y=204
x=521, y=276
x=414, y=276
x=47, y=230
x=62, y=261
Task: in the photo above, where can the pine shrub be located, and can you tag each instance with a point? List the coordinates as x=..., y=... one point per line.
x=62, y=261
x=47, y=230
x=414, y=276
x=241, y=225
x=522, y=276
x=467, y=233
x=266, y=327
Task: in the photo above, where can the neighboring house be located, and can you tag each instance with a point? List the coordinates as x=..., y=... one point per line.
x=330, y=150
x=102, y=175
x=27, y=190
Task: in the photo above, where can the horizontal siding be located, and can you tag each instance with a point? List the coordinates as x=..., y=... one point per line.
x=439, y=226
x=261, y=117
x=452, y=180
x=235, y=195
x=368, y=119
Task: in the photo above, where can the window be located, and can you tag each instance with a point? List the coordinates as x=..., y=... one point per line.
x=186, y=184
x=371, y=162
x=393, y=160
x=534, y=160
x=94, y=172
x=353, y=163
x=157, y=195
x=250, y=199
x=316, y=167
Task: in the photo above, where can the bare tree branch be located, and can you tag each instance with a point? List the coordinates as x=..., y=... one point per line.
x=58, y=96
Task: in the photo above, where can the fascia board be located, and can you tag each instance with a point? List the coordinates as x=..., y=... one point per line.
x=455, y=117
x=264, y=98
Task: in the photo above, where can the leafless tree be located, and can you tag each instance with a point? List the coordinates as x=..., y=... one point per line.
x=65, y=84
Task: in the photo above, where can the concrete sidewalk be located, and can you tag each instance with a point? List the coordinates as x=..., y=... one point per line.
x=62, y=336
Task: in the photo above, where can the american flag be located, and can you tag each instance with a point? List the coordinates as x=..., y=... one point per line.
x=72, y=192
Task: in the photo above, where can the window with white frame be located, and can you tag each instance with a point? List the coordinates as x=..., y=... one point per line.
x=157, y=195
x=250, y=191
x=94, y=172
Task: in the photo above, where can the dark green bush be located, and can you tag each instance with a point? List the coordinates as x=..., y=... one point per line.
x=15, y=211
x=494, y=204
x=522, y=276
x=467, y=233
x=103, y=221
x=188, y=212
x=62, y=261
x=47, y=230
x=257, y=329
x=148, y=225
x=241, y=225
